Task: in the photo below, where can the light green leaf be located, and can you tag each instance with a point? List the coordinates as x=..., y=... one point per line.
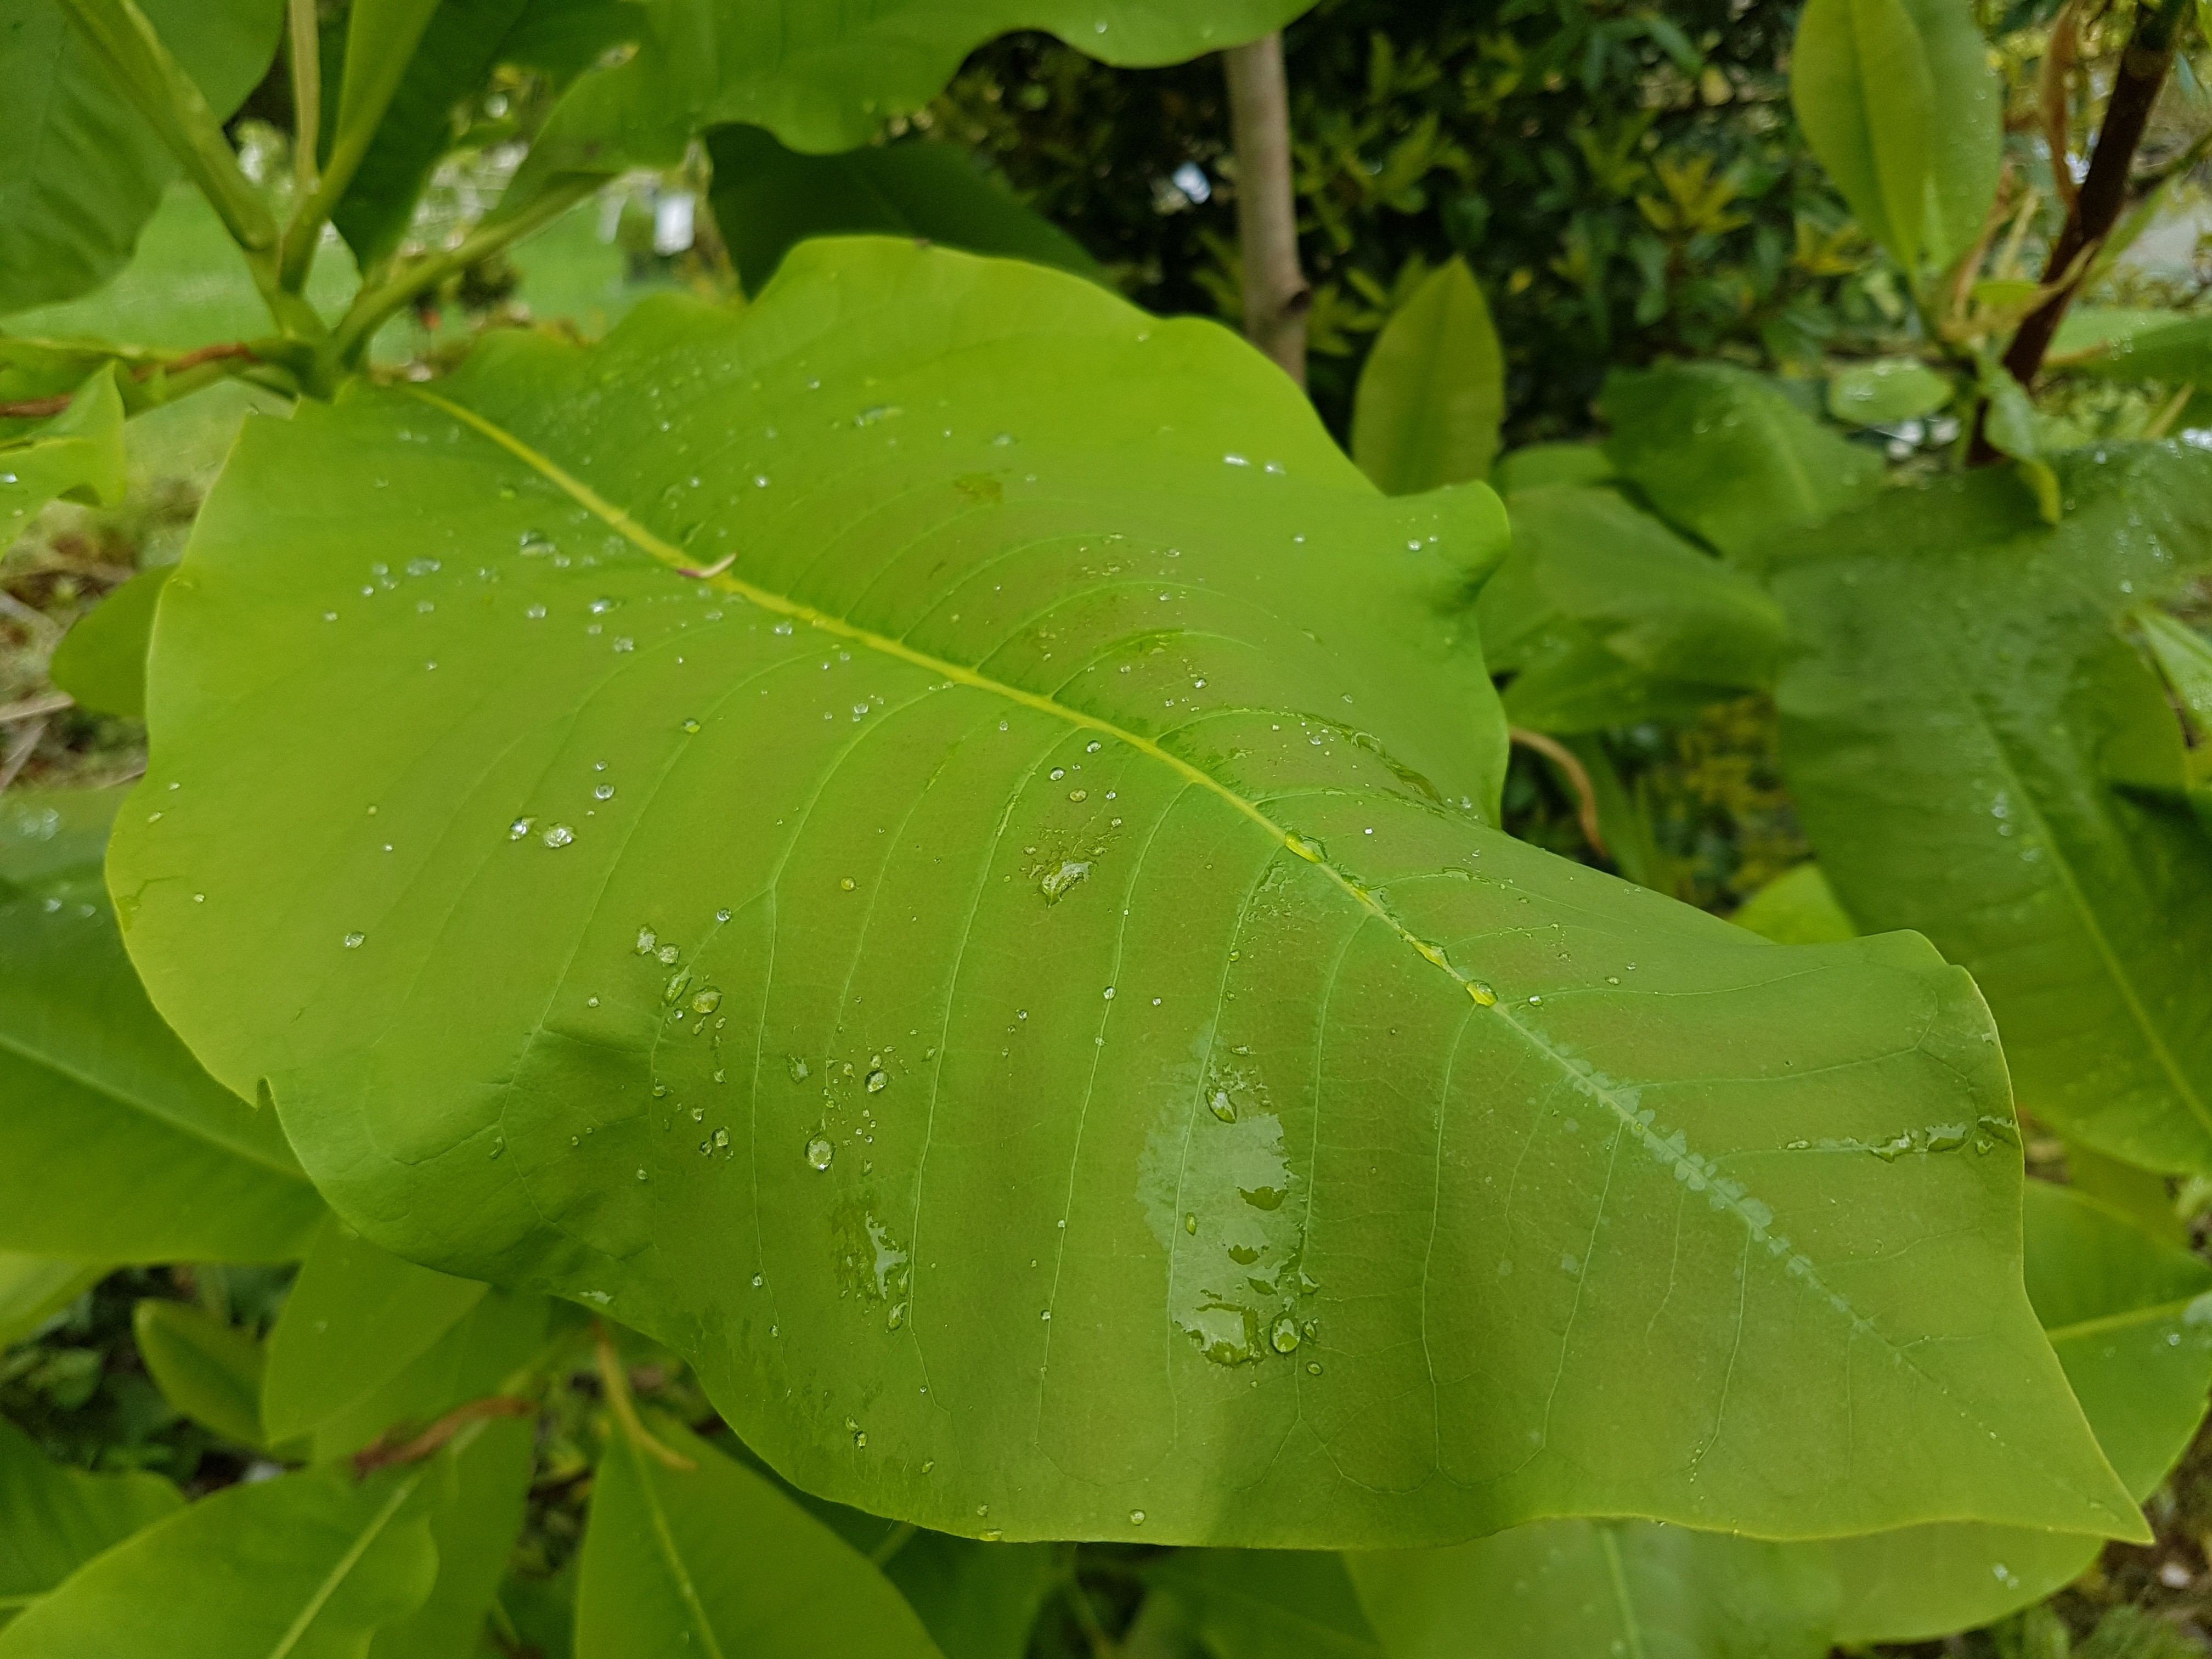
x=1900, y=100
x=2184, y=657
x=1798, y=908
x=114, y=1145
x=1579, y=1590
x=54, y=1519
x=824, y=78
x=713, y=1561
x=1729, y=455
x=304, y=1566
x=34, y=1288
x=357, y=1316
x=483, y=1036
x=473, y=1534
x=1269, y=1604
x=1542, y=466
x=767, y=197
x=1432, y=391
x=83, y=171
x=482, y=1355
x=2155, y=345
x=208, y=1369
x=101, y=660
x=77, y=456
x=46, y=833
x=1950, y=733
x=1886, y=392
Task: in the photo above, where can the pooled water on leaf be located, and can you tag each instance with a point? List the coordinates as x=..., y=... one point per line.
x=819, y=1152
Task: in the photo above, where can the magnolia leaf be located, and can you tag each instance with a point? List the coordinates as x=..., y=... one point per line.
x=713, y=1559
x=2134, y=345
x=35, y=1288
x=304, y=1566
x=54, y=1519
x=1798, y=908
x=1268, y=1604
x=1432, y=391
x=114, y=1145
x=357, y=1316
x=2184, y=657
x=208, y=1369
x=824, y=78
x=473, y=1534
x=979, y=1600
x=83, y=170
x=1886, y=392
x=77, y=456
x=101, y=660
x=1541, y=466
x=1063, y=841
x=1951, y=732
x=482, y=1355
x=1731, y=456
x=767, y=197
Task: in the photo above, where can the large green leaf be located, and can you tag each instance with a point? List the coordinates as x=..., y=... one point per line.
x=53, y=1519
x=114, y=1145
x=767, y=197
x=78, y=455
x=357, y=1317
x=1958, y=732
x=1032, y=851
x=81, y=170
x=1901, y=104
x=305, y=1566
x=2132, y=1323
x=823, y=78
x=1432, y=391
x=1729, y=456
x=712, y=1559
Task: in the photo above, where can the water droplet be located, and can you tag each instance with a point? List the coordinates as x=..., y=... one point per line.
x=1078, y=795
x=559, y=834
x=1136, y=1517
x=1482, y=993
x=721, y=1140
x=1056, y=883
x=846, y=883
x=641, y=1175
x=1311, y=851
x=819, y=1152
x=1282, y=1336
x=679, y=983
x=1313, y=1367
x=605, y=792
x=646, y=938
x=497, y=1147
x=666, y=953
x=1092, y=747
x=353, y=940
x=1190, y=1222
x=877, y=1080
x=1224, y=1108
x=690, y=725
x=1109, y=993
x=897, y=1317
x=1058, y=773
x=519, y=828
x=859, y=1438
x=706, y=1001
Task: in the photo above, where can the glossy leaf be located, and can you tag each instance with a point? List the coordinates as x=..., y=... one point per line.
x=483, y=1036
x=1727, y=455
x=208, y=1369
x=1433, y=391
x=357, y=1316
x=77, y=456
x=1899, y=101
x=1796, y=908
x=304, y=1566
x=1886, y=392
x=114, y=1145
x=54, y=1519
x=83, y=170
x=101, y=661
x=1959, y=733
x=767, y=198
x=712, y=1559
x=822, y=79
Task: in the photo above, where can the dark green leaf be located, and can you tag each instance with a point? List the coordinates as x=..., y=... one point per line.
x=1269, y=1604
x=208, y=1370
x=34, y=1288
x=712, y=1559
x=767, y=197
x=1432, y=391
x=979, y=1600
x=483, y=1035
x=1956, y=733
x=473, y=1532
x=53, y=1519
x=101, y=661
x=1729, y=455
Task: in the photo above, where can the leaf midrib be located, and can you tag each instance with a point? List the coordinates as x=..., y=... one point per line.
x=345, y=1564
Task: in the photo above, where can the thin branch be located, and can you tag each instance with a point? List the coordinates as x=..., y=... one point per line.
x=380, y=1454
x=1578, y=776
x=47, y=702
x=2054, y=94
x=1276, y=298
x=617, y=1386
x=233, y=352
x=19, y=752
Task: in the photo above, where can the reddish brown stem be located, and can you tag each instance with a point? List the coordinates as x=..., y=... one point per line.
x=380, y=1454
x=1578, y=778
x=32, y=407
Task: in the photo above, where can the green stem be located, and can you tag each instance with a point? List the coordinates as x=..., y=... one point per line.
x=307, y=94
x=1103, y=1646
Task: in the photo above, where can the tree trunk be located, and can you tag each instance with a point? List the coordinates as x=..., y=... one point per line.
x=1276, y=297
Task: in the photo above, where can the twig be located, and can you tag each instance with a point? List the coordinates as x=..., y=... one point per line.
x=1276, y=298
x=1578, y=776
x=29, y=408
x=380, y=1454
x=19, y=752
x=36, y=622
x=2053, y=95
x=2163, y=420
x=47, y=702
x=625, y=1409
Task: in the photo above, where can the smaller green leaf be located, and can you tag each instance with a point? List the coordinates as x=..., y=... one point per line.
x=1269, y=1604
x=713, y=1559
x=46, y=833
x=208, y=1370
x=2132, y=345
x=473, y=1532
x=304, y=1566
x=1885, y=392
x=2184, y=659
x=34, y=1288
x=480, y=1356
x=101, y=661
x=980, y=1601
x=767, y=198
x=2140, y=1194
x=54, y=1519
x=77, y=456
x=1541, y=466
x=1796, y=908
x=357, y=1317
x=1433, y=391
x=1731, y=456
